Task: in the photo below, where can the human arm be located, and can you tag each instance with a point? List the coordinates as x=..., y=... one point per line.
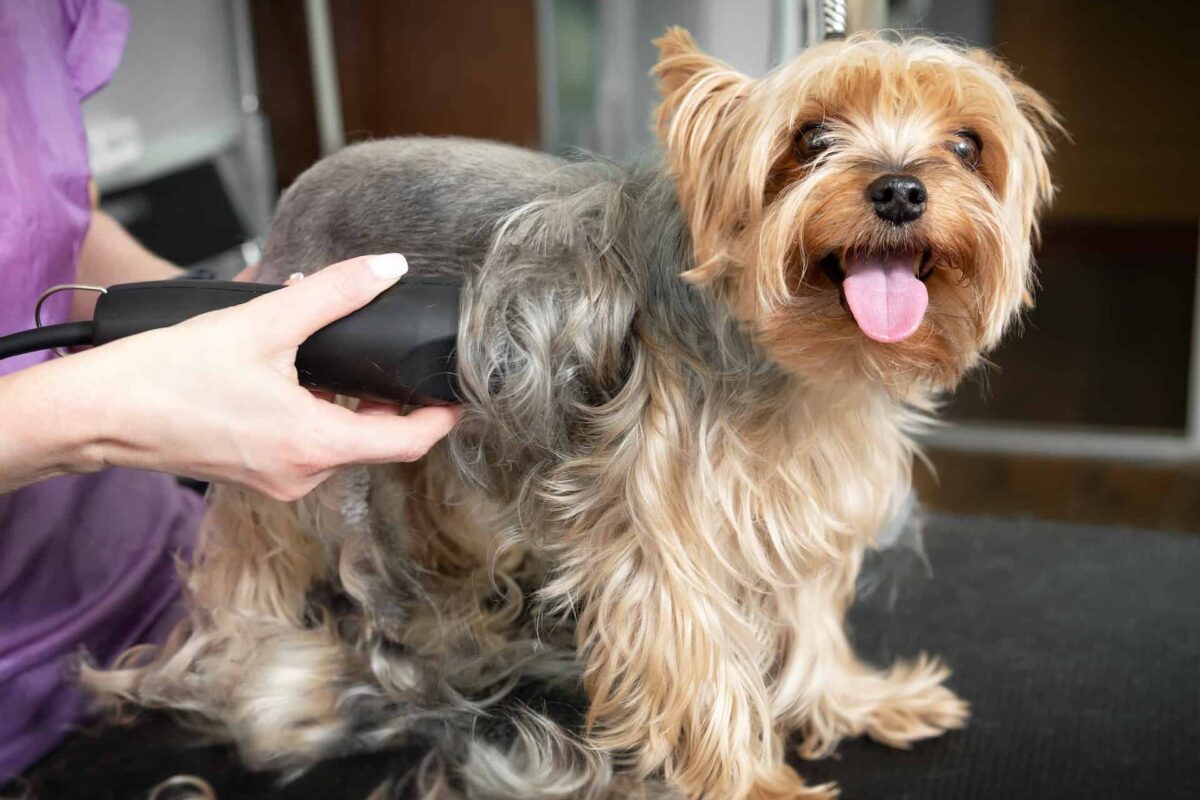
x=214, y=398
x=110, y=255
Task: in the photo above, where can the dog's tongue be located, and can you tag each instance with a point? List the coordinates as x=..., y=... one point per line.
x=887, y=300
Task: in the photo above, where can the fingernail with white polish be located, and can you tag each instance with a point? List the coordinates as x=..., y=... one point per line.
x=389, y=266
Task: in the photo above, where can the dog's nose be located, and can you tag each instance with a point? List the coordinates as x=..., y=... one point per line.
x=898, y=199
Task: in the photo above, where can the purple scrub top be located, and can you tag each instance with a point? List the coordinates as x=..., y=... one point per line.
x=87, y=561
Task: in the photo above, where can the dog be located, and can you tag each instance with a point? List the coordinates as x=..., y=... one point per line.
x=691, y=391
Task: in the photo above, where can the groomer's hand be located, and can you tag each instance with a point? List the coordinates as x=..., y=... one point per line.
x=217, y=397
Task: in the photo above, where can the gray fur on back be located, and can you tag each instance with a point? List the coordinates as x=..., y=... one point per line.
x=436, y=200
x=571, y=270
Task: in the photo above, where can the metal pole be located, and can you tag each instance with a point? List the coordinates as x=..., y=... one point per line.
x=547, y=52
x=330, y=130
x=257, y=157
x=1193, y=410
x=788, y=38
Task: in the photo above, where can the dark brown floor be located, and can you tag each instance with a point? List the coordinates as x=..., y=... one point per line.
x=1159, y=497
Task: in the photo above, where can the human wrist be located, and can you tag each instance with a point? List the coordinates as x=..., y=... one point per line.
x=50, y=429
x=76, y=407
x=93, y=390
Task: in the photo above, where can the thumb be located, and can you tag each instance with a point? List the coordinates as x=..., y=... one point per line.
x=372, y=438
x=304, y=307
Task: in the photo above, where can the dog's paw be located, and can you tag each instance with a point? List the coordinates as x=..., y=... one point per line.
x=786, y=784
x=918, y=705
x=826, y=791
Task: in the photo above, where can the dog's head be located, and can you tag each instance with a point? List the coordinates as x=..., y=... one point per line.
x=868, y=209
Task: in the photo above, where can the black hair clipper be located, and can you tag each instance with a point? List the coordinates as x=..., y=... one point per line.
x=398, y=348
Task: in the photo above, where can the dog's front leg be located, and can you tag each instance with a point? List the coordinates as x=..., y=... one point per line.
x=825, y=692
x=675, y=680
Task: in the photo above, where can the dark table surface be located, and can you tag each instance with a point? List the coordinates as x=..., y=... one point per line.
x=1078, y=648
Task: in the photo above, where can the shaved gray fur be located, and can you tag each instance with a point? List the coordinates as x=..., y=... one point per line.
x=437, y=201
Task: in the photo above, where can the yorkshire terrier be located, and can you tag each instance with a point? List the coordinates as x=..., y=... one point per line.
x=691, y=389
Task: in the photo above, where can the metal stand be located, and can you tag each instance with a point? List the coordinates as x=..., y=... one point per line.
x=330, y=129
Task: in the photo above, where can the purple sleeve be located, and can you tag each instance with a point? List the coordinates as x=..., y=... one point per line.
x=96, y=37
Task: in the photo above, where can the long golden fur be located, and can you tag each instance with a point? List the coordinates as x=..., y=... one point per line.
x=677, y=443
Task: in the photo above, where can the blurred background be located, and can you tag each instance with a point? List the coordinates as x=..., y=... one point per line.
x=1092, y=414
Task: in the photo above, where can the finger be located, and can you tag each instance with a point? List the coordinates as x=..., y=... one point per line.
x=247, y=274
x=377, y=407
x=295, y=488
x=377, y=438
x=306, y=306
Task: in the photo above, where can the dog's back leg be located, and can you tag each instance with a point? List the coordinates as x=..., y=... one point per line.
x=467, y=550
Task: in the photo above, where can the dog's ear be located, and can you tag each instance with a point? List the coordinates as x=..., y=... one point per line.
x=1035, y=138
x=1029, y=133
x=693, y=84
x=699, y=93
x=679, y=58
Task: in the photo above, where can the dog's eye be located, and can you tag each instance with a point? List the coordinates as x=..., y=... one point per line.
x=967, y=146
x=810, y=140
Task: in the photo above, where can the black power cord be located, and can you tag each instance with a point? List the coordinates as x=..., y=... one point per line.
x=69, y=334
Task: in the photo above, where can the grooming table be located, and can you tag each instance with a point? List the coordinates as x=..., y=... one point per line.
x=1078, y=648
